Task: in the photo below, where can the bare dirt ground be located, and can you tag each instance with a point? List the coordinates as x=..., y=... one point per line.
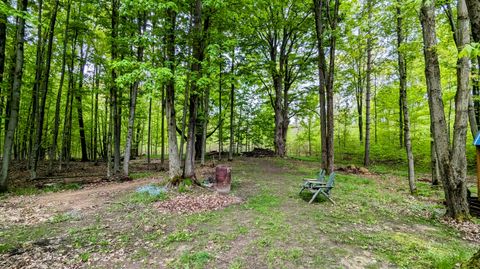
x=35, y=209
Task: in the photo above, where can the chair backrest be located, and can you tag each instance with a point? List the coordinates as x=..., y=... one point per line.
x=331, y=181
x=321, y=174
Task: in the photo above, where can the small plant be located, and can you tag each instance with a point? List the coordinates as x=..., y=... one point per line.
x=195, y=260
x=179, y=236
x=61, y=218
x=85, y=256
x=185, y=185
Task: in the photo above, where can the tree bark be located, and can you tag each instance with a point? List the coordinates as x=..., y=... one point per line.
x=142, y=24
x=174, y=163
x=198, y=55
x=206, y=105
x=115, y=103
x=220, y=116
x=78, y=97
x=474, y=15
x=452, y=166
x=402, y=70
x=15, y=93
x=35, y=91
x=162, y=129
x=43, y=92
x=331, y=74
x=366, y=160
x=232, y=107
x=318, y=7
x=149, y=135
x=56, y=126
x=3, y=46
x=95, y=117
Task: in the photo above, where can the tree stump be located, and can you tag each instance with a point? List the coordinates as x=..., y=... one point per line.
x=223, y=178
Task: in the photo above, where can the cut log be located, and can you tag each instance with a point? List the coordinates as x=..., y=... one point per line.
x=223, y=178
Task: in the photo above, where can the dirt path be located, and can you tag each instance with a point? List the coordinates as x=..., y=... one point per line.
x=34, y=209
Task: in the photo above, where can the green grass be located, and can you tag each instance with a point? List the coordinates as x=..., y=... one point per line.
x=195, y=259
x=145, y=198
x=31, y=190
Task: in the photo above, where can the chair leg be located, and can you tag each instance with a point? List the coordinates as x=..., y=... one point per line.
x=301, y=190
x=328, y=197
x=315, y=196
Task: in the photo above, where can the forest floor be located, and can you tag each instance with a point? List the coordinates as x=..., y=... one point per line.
x=263, y=223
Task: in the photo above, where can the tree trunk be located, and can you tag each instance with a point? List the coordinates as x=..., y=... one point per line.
x=474, y=15
x=115, y=103
x=56, y=125
x=149, y=135
x=142, y=24
x=206, y=101
x=78, y=98
x=452, y=166
x=232, y=107
x=162, y=129
x=330, y=81
x=35, y=91
x=198, y=54
x=402, y=70
x=65, y=153
x=95, y=122
x=366, y=160
x=433, y=160
x=375, y=114
x=43, y=92
x=174, y=163
x=15, y=93
x=3, y=46
x=220, y=116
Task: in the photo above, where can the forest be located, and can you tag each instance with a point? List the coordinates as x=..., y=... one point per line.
x=118, y=119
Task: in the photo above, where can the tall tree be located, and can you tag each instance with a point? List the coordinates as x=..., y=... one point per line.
x=142, y=24
x=452, y=164
x=43, y=90
x=56, y=126
x=232, y=107
x=402, y=72
x=329, y=21
x=15, y=91
x=198, y=46
x=366, y=160
x=114, y=93
x=174, y=163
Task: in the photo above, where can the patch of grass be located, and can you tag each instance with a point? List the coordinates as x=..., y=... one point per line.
x=185, y=185
x=93, y=235
x=236, y=264
x=140, y=253
x=62, y=217
x=139, y=175
x=145, y=198
x=31, y=190
x=179, y=236
x=85, y=256
x=263, y=202
x=195, y=259
x=6, y=247
x=15, y=237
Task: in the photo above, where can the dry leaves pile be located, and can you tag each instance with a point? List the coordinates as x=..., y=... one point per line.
x=470, y=231
x=40, y=254
x=15, y=211
x=187, y=204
